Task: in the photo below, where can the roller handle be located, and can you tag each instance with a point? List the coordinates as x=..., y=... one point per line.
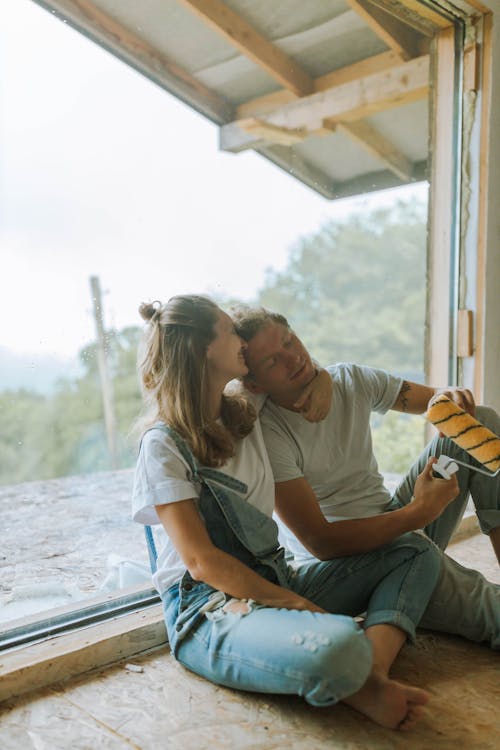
x=445, y=467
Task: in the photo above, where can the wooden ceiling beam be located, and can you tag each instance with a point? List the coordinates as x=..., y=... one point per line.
x=399, y=37
x=99, y=26
x=345, y=103
x=361, y=131
x=268, y=103
x=251, y=43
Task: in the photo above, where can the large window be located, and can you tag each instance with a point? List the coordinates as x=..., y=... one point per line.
x=106, y=176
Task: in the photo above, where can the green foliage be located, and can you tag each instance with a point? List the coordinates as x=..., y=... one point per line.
x=354, y=291
x=397, y=440
x=44, y=437
x=23, y=417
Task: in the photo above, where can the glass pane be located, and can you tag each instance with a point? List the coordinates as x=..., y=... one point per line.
x=105, y=175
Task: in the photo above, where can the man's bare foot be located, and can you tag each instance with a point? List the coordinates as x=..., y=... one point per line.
x=389, y=703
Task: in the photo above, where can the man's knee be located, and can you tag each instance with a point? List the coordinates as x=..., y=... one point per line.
x=489, y=417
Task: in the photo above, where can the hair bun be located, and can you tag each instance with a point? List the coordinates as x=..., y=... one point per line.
x=148, y=310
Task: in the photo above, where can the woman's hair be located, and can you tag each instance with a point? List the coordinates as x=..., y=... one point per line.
x=172, y=365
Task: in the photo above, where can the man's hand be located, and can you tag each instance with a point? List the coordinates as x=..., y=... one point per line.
x=431, y=495
x=314, y=401
x=462, y=397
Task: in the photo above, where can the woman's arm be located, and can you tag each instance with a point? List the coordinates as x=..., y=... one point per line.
x=205, y=562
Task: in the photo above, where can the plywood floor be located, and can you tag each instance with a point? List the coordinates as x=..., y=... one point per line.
x=164, y=707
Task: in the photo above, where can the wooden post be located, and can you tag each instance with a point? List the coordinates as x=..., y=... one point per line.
x=102, y=361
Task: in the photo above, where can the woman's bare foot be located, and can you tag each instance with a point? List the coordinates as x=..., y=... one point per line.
x=389, y=703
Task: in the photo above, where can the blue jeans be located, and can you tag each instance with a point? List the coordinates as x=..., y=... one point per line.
x=463, y=602
x=322, y=657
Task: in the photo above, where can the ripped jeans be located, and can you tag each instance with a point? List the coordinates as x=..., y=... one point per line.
x=321, y=657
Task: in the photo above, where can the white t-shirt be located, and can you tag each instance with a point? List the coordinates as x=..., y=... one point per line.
x=336, y=455
x=163, y=476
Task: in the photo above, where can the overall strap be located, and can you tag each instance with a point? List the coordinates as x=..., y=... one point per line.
x=201, y=473
x=152, y=552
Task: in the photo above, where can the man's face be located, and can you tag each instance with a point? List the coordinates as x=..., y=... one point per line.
x=278, y=363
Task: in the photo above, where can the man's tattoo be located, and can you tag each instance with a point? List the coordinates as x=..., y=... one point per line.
x=402, y=399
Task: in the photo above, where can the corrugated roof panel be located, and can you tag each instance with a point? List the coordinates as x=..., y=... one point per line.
x=318, y=50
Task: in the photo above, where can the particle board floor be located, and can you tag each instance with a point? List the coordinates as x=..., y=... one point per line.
x=165, y=707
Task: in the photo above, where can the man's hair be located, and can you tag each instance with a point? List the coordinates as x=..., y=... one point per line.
x=248, y=320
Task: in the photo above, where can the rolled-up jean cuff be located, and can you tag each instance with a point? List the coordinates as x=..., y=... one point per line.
x=488, y=519
x=392, y=617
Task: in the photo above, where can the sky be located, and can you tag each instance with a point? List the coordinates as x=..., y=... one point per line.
x=104, y=173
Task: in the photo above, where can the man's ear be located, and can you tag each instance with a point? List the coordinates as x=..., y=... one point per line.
x=252, y=386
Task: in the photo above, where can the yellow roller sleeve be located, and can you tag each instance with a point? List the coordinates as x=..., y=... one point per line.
x=480, y=442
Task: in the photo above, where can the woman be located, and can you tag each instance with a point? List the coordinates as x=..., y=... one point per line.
x=235, y=612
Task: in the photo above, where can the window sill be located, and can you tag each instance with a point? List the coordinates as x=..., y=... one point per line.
x=37, y=665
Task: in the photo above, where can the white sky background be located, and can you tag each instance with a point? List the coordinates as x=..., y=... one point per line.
x=104, y=173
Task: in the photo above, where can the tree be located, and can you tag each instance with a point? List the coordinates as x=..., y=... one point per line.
x=355, y=291
x=42, y=437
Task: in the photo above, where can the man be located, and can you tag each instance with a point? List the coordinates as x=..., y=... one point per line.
x=329, y=493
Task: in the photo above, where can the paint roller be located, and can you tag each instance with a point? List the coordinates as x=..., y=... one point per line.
x=469, y=434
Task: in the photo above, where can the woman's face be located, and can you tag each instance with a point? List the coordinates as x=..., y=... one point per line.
x=225, y=354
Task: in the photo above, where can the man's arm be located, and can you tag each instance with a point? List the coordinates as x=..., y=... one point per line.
x=413, y=398
x=298, y=508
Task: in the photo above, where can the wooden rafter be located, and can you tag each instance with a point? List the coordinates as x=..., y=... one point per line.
x=345, y=103
x=269, y=133
x=378, y=146
x=400, y=38
x=361, y=131
x=251, y=43
x=111, y=34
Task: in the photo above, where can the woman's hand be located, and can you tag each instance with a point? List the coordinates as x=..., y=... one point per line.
x=316, y=398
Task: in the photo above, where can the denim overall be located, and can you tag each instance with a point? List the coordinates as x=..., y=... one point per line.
x=234, y=526
x=323, y=657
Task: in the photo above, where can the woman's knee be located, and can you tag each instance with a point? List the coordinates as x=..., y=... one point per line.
x=338, y=661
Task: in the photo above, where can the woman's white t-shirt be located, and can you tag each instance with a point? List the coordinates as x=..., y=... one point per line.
x=163, y=476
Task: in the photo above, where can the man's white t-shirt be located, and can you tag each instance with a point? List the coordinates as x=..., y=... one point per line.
x=163, y=476
x=336, y=455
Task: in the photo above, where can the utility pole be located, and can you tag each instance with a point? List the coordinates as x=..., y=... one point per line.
x=102, y=361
